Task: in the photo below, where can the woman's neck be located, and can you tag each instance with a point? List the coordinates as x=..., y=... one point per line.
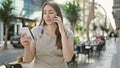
x=50, y=28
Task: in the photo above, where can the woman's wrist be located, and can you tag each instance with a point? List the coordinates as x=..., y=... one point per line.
x=27, y=46
x=63, y=34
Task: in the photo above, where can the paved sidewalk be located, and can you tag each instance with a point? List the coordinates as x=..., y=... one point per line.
x=10, y=54
x=109, y=59
x=115, y=51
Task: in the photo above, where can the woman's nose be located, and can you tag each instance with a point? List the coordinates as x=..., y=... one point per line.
x=47, y=15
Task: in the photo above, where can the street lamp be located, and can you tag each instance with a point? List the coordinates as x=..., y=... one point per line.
x=104, y=12
x=105, y=15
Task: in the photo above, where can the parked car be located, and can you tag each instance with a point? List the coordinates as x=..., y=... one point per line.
x=15, y=41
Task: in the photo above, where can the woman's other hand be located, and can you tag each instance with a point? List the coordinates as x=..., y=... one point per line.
x=60, y=24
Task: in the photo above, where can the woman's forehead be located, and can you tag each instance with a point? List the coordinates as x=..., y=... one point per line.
x=48, y=7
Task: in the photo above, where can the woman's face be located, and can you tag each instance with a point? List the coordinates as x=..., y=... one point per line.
x=49, y=14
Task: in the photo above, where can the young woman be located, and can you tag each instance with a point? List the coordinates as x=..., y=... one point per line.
x=53, y=44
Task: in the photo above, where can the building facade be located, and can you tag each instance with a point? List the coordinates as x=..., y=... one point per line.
x=26, y=11
x=116, y=15
x=116, y=12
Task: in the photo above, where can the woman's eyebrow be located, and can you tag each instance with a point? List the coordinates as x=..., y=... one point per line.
x=50, y=10
x=47, y=10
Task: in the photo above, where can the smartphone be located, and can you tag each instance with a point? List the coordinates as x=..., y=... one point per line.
x=56, y=22
x=27, y=31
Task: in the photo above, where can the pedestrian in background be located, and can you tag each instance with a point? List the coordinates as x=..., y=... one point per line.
x=53, y=44
x=115, y=35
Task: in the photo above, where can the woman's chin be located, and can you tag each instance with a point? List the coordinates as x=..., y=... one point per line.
x=49, y=23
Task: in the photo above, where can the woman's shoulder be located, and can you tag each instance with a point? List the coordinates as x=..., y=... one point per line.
x=37, y=28
x=36, y=31
x=69, y=32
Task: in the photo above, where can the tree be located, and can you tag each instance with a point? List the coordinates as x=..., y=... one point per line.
x=79, y=29
x=76, y=39
x=94, y=28
x=72, y=12
x=91, y=16
x=6, y=16
x=104, y=28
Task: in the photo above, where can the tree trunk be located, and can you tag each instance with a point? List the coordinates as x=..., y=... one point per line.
x=73, y=26
x=78, y=32
x=6, y=37
x=103, y=32
x=1, y=31
x=87, y=31
x=90, y=17
x=95, y=33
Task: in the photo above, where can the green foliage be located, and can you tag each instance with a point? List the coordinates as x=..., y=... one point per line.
x=106, y=30
x=102, y=27
x=79, y=27
x=6, y=10
x=6, y=16
x=71, y=10
x=94, y=26
x=76, y=39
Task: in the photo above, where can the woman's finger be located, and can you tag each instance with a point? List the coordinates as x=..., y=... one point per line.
x=25, y=43
x=25, y=39
x=23, y=34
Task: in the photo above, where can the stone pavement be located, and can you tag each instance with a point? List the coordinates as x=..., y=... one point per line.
x=10, y=54
x=110, y=57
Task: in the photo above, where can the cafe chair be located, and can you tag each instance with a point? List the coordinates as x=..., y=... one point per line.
x=73, y=63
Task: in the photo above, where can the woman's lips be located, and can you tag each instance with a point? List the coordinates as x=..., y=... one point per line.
x=48, y=20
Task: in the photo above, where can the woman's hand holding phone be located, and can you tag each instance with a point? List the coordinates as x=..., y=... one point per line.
x=25, y=40
x=60, y=24
x=26, y=36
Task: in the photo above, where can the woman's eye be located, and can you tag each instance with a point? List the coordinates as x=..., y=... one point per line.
x=51, y=12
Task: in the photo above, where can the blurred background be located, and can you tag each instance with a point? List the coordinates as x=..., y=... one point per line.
x=88, y=19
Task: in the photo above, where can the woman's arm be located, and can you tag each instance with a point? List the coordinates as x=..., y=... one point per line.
x=67, y=43
x=29, y=53
x=67, y=47
x=29, y=49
